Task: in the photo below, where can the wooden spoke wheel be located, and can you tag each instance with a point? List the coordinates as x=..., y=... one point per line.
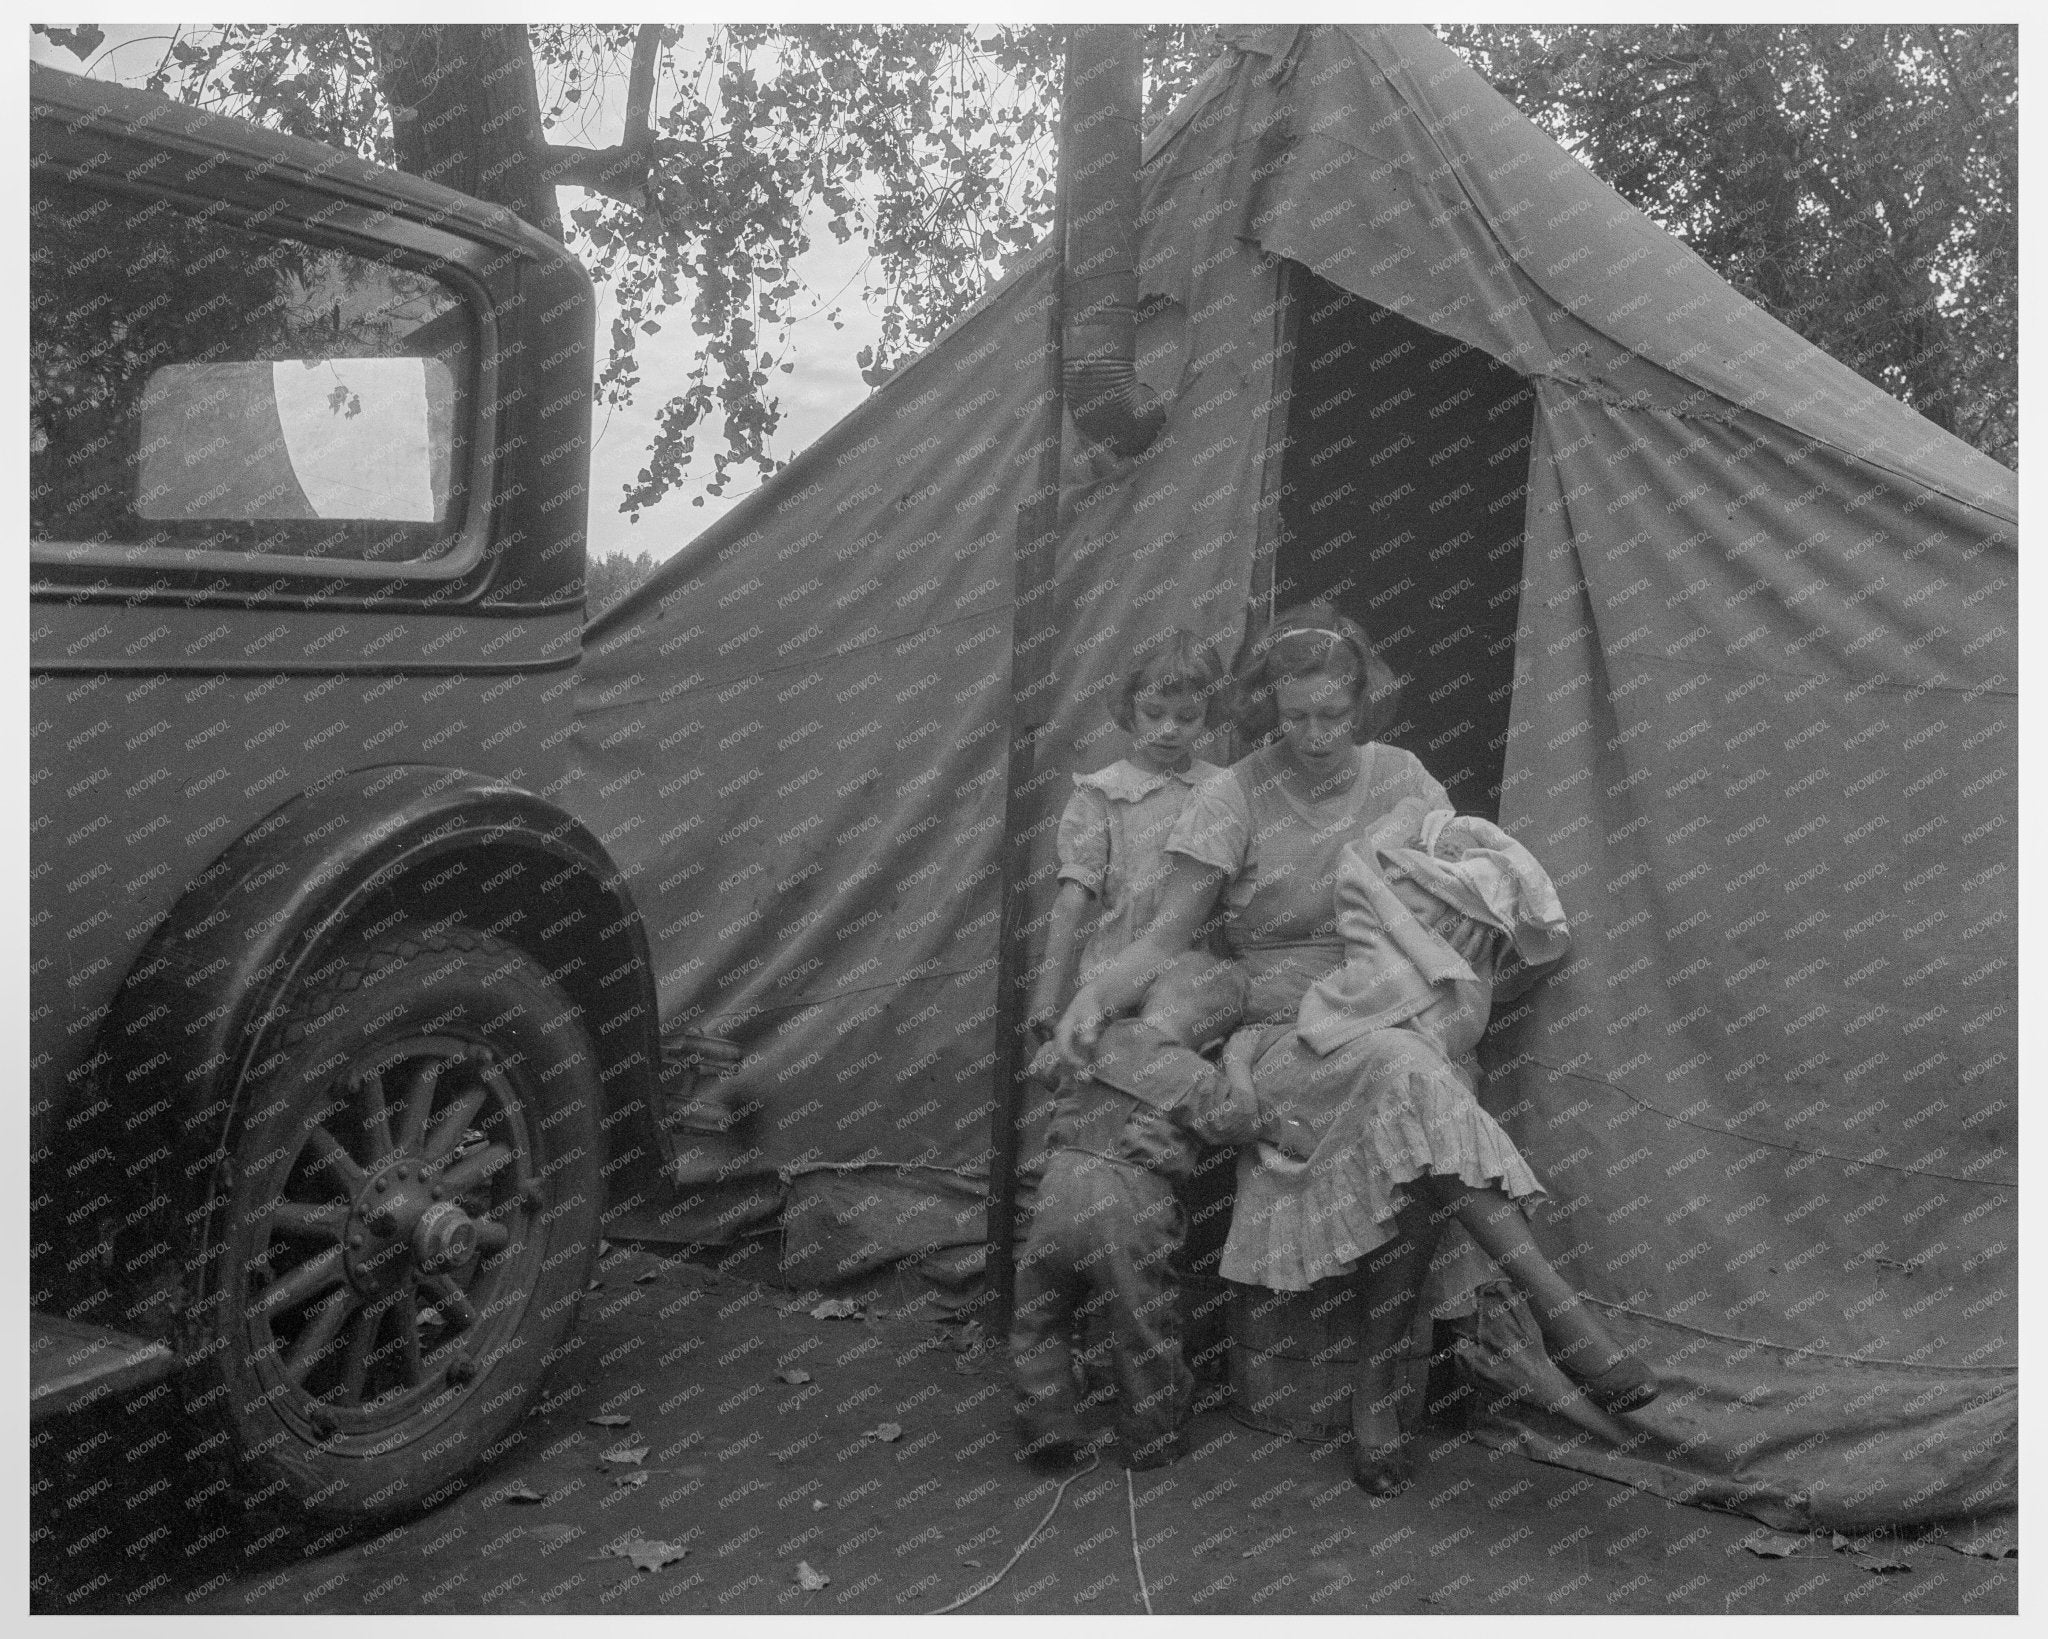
x=405, y=1220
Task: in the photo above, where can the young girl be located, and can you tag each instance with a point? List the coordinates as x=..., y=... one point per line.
x=1113, y=833
x=1106, y=1225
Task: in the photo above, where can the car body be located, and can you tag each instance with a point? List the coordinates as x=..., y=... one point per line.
x=309, y=456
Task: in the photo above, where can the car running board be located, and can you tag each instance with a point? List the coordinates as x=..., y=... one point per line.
x=73, y=1364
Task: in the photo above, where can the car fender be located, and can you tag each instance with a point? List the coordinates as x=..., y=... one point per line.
x=193, y=1012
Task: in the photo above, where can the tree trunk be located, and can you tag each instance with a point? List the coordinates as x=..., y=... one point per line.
x=465, y=112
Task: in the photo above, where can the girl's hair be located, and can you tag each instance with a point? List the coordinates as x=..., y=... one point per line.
x=1314, y=640
x=1178, y=663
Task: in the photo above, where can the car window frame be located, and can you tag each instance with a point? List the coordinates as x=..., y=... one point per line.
x=185, y=574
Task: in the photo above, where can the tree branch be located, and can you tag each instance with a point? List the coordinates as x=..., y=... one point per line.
x=618, y=173
x=623, y=171
x=640, y=86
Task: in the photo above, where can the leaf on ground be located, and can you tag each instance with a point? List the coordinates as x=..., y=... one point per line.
x=809, y=1580
x=563, y=1532
x=886, y=1432
x=646, y=1276
x=1264, y=1544
x=520, y=1491
x=967, y=1338
x=817, y=1505
x=1878, y=1554
x=611, y=1419
x=626, y=1482
x=595, y=1286
x=836, y=1309
x=792, y=1374
x=646, y=1556
x=652, y=1556
x=1990, y=1542
x=1773, y=1544
x=623, y=1454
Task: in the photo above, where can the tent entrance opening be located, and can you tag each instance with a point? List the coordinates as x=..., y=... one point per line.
x=1403, y=486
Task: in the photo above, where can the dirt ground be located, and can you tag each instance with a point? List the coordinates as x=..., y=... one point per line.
x=882, y=1481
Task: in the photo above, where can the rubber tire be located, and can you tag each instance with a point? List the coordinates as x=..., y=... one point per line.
x=462, y=986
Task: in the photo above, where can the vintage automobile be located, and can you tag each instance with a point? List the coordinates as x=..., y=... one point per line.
x=341, y=1024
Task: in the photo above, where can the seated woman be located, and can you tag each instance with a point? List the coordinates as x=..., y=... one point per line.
x=1398, y=1147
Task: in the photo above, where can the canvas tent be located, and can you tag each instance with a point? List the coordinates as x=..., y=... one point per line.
x=1721, y=630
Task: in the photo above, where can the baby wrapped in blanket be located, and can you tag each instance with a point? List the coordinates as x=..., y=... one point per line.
x=1415, y=878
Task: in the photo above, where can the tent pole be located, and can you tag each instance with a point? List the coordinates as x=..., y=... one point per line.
x=1030, y=670
x=1272, y=468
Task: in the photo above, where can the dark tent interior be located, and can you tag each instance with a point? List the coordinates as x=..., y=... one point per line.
x=1401, y=501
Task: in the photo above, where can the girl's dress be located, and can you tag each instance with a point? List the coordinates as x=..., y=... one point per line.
x=1387, y=1106
x=1112, y=840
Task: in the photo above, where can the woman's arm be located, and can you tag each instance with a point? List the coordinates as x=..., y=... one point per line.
x=1412, y=778
x=1187, y=897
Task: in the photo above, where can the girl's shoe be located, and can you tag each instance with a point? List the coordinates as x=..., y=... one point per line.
x=1051, y=1439
x=1382, y=1471
x=1628, y=1385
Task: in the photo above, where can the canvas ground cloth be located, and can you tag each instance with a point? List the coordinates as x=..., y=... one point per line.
x=1761, y=734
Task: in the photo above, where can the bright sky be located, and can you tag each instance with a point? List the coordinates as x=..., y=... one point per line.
x=824, y=386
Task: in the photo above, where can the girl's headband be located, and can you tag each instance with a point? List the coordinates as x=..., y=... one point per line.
x=1274, y=639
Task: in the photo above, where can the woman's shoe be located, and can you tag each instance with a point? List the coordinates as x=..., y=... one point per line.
x=1382, y=1471
x=1628, y=1385
x=1055, y=1451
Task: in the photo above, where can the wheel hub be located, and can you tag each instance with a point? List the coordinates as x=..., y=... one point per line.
x=444, y=1238
x=396, y=1223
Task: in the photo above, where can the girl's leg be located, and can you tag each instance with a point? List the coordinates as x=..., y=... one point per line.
x=1571, y=1330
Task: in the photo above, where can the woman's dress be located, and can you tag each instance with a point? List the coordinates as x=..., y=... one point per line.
x=1384, y=1107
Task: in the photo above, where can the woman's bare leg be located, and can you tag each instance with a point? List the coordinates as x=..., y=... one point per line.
x=1571, y=1330
x=1390, y=1282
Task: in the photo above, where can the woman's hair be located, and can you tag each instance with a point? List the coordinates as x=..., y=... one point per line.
x=1178, y=662
x=1314, y=640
